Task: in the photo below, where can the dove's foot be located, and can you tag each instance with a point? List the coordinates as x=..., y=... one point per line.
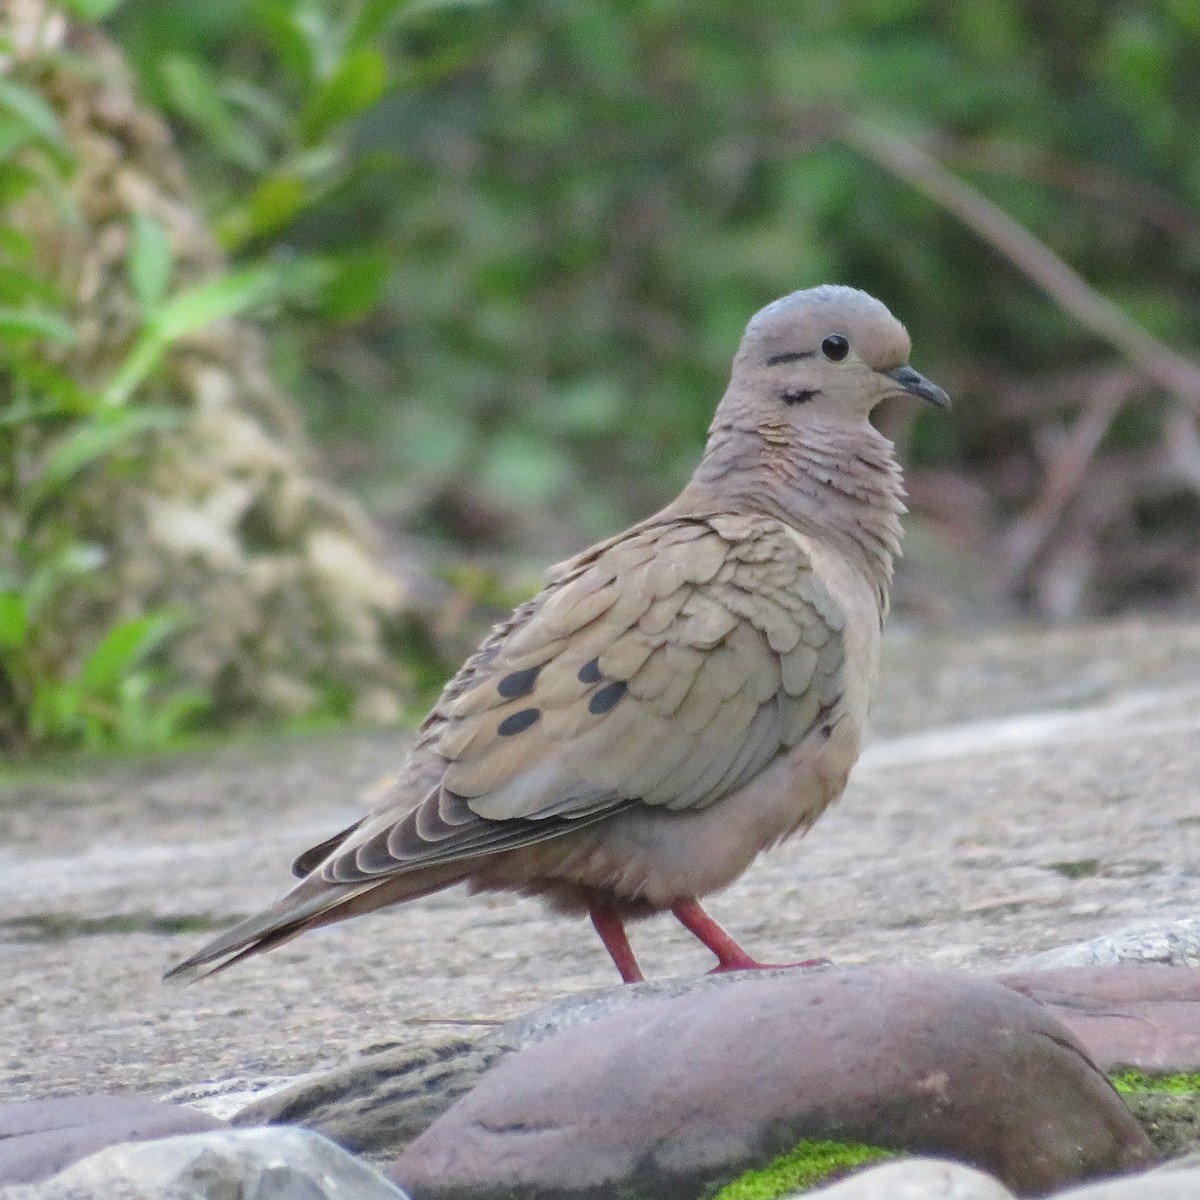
x=730, y=956
x=752, y=964
x=611, y=929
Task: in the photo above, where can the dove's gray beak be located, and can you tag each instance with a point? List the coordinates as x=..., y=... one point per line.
x=917, y=385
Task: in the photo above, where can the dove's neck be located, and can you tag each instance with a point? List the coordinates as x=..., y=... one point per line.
x=841, y=484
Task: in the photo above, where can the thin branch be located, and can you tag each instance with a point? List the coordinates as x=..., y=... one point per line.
x=1014, y=159
x=1062, y=481
x=1172, y=371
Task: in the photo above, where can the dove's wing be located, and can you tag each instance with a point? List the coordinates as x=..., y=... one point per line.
x=667, y=667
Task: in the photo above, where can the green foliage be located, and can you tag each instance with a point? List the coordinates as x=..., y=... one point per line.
x=566, y=209
x=1132, y=1082
x=807, y=1165
x=51, y=433
x=516, y=240
x=167, y=323
x=55, y=433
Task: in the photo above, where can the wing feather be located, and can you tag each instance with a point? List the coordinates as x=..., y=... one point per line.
x=668, y=667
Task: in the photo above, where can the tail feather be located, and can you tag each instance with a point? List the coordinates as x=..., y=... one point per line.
x=312, y=858
x=310, y=904
x=261, y=932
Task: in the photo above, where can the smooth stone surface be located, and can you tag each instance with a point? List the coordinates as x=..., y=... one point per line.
x=1147, y=1018
x=672, y=1095
x=38, y=1138
x=916, y=1179
x=1165, y=943
x=237, y=1164
x=1023, y=789
x=380, y=1102
x=1176, y=1184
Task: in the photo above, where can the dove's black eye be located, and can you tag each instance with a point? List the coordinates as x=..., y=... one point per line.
x=835, y=347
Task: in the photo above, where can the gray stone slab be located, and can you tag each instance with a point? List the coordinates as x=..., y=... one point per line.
x=266, y=1164
x=1163, y=943
x=675, y=1094
x=38, y=1138
x=1024, y=790
x=916, y=1179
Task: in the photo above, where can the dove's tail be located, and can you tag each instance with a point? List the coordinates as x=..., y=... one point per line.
x=309, y=905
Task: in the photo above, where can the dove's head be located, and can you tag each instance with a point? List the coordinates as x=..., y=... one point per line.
x=830, y=350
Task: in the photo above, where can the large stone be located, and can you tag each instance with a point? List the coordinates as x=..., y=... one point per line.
x=917, y=1179
x=1146, y=1018
x=381, y=1101
x=1167, y=1183
x=249, y=1164
x=1165, y=943
x=673, y=1095
x=38, y=1138
x=957, y=846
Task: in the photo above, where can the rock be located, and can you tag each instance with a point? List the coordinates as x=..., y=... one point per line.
x=382, y=1101
x=1167, y=1183
x=917, y=1179
x=1146, y=1018
x=263, y=1164
x=1186, y=1162
x=1029, y=834
x=1167, y=943
x=1171, y=1120
x=672, y=1096
x=38, y=1138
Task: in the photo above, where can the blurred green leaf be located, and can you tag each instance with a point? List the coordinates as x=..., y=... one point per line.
x=270, y=207
x=24, y=105
x=91, y=441
x=122, y=649
x=356, y=285
x=92, y=10
x=194, y=93
x=14, y=620
x=373, y=19
x=357, y=83
x=226, y=296
x=36, y=322
x=300, y=33
x=149, y=261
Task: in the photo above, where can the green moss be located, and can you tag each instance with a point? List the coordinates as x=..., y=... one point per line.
x=1127, y=1082
x=806, y=1165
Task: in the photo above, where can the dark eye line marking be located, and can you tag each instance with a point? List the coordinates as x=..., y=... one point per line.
x=798, y=395
x=790, y=356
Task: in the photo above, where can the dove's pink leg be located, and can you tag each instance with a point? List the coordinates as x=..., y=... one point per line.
x=730, y=956
x=611, y=929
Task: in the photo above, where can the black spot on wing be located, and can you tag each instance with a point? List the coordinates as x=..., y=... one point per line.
x=590, y=672
x=518, y=683
x=606, y=698
x=518, y=722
